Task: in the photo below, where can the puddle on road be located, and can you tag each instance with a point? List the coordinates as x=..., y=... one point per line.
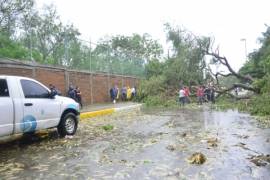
x=152, y=144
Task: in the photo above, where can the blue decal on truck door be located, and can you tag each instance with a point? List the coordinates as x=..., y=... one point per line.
x=29, y=124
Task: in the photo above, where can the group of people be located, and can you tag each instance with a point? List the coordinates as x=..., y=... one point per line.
x=203, y=94
x=184, y=94
x=208, y=94
x=74, y=93
x=125, y=94
x=54, y=90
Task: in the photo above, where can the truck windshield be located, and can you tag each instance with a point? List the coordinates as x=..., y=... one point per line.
x=3, y=88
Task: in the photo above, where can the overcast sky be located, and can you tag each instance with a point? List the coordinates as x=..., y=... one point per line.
x=227, y=20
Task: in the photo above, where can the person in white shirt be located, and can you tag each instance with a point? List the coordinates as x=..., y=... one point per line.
x=182, y=97
x=133, y=92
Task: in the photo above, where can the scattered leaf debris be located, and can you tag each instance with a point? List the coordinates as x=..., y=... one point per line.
x=197, y=158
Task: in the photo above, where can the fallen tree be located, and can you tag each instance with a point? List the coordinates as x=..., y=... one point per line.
x=246, y=80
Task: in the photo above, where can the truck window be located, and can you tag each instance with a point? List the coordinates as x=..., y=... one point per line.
x=3, y=88
x=32, y=89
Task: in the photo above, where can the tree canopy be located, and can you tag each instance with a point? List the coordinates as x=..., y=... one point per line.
x=40, y=35
x=258, y=65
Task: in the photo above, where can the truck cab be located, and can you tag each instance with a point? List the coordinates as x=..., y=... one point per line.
x=26, y=106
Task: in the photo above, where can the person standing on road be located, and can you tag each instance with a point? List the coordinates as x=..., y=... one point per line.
x=212, y=94
x=182, y=97
x=79, y=96
x=53, y=89
x=133, y=92
x=207, y=94
x=187, y=93
x=128, y=93
x=71, y=93
x=200, y=95
x=117, y=92
x=124, y=93
x=113, y=94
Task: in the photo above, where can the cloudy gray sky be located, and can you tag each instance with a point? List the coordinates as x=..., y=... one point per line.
x=227, y=20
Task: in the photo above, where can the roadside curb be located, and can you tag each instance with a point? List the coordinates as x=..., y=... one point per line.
x=108, y=111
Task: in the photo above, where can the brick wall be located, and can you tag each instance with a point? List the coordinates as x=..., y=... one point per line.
x=50, y=76
x=94, y=86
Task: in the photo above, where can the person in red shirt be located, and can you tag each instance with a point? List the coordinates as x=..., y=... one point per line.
x=200, y=95
x=187, y=93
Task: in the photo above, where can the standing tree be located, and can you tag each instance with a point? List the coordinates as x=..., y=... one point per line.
x=187, y=63
x=11, y=12
x=128, y=54
x=49, y=36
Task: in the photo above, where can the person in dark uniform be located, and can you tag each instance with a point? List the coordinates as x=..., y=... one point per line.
x=71, y=93
x=78, y=96
x=53, y=89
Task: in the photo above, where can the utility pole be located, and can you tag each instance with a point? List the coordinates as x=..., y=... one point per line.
x=122, y=71
x=91, y=74
x=31, y=41
x=90, y=56
x=245, y=41
x=108, y=70
x=66, y=51
x=31, y=46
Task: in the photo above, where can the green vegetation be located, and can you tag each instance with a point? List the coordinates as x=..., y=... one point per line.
x=257, y=105
x=107, y=127
x=30, y=34
x=258, y=67
x=184, y=66
x=27, y=33
x=163, y=78
x=146, y=162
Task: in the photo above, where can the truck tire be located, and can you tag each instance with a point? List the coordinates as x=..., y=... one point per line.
x=68, y=125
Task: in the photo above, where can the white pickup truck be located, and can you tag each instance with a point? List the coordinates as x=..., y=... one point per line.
x=27, y=105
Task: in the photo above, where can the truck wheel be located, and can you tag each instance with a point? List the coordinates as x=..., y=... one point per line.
x=68, y=125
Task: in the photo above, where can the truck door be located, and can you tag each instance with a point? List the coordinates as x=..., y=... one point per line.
x=40, y=111
x=6, y=110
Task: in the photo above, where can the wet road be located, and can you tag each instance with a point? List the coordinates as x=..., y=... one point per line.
x=152, y=144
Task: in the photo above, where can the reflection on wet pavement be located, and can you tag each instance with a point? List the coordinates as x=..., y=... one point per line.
x=152, y=144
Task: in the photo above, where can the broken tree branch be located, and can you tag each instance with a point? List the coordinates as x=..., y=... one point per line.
x=223, y=60
x=236, y=85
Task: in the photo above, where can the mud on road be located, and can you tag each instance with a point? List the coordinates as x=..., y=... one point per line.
x=148, y=144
